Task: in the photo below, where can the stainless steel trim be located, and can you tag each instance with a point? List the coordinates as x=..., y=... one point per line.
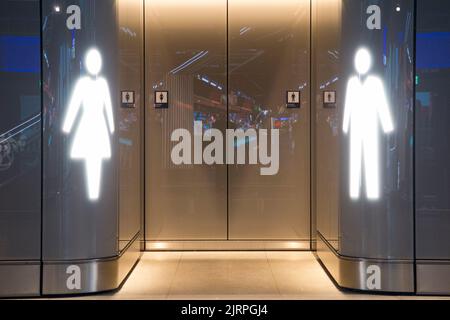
x=20, y=278
x=230, y=245
x=96, y=275
x=397, y=276
x=433, y=277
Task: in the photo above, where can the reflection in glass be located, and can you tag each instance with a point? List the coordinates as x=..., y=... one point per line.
x=186, y=56
x=269, y=55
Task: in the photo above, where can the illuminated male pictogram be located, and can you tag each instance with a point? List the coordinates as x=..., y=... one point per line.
x=91, y=143
x=366, y=107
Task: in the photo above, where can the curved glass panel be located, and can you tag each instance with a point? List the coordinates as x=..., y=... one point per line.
x=80, y=112
x=377, y=85
x=369, y=63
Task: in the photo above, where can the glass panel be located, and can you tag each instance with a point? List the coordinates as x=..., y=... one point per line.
x=433, y=130
x=20, y=131
x=130, y=14
x=268, y=56
x=327, y=24
x=81, y=98
x=376, y=127
x=185, y=55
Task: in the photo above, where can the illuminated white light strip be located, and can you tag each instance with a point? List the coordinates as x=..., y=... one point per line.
x=323, y=86
x=366, y=107
x=244, y=30
x=20, y=125
x=189, y=62
x=18, y=132
x=91, y=141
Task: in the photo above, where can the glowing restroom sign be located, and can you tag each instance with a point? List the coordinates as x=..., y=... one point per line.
x=366, y=108
x=91, y=142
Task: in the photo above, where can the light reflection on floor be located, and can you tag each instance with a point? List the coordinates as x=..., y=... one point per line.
x=231, y=275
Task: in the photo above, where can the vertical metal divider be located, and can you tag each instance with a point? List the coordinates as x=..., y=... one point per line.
x=143, y=131
x=414, y=144
x=228, y=118
x=117, y=136
x=41, y=33
x=311, y=130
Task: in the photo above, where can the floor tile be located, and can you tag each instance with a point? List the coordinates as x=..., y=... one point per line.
x=223, y=274
x=152, y=276
x=234, y=276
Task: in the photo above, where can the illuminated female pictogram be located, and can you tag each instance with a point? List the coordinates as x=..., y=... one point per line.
x=366, y=107
x=91, y=143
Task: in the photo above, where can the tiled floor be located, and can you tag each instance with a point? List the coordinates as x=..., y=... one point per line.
x=231, y=275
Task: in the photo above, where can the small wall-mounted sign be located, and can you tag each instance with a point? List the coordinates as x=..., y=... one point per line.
x=161, y=99
x=329, y=99
x=293, y=99
x=128, y=99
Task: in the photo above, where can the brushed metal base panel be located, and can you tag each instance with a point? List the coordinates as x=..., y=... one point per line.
x=230, y=245
x=396, y=276
x=20, y=279
x=433, y=277
x=95, y=275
